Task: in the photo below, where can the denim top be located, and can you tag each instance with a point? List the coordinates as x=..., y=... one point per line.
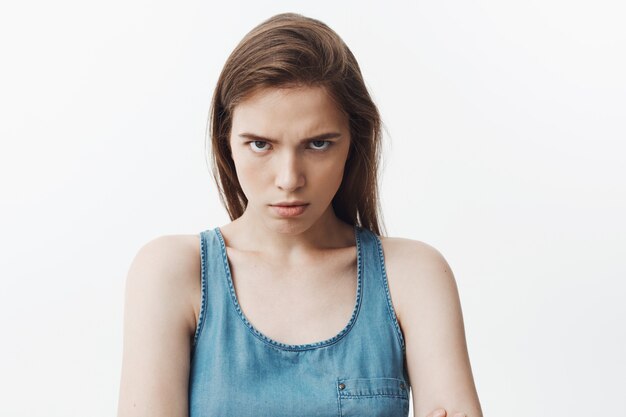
x=238, y=371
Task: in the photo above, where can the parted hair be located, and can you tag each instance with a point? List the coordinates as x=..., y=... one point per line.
x=292, y=50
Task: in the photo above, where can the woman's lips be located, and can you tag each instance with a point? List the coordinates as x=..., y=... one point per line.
x=289, y=211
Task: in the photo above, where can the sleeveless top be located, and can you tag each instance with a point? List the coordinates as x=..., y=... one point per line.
x=237, y=371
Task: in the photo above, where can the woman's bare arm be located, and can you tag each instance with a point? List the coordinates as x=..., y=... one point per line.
x=430, y=313
x=159, y=322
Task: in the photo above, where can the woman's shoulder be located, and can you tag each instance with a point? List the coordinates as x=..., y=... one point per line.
x=175, y=257
x=173, y=254
x=167, y=269
x=410, y=252
x=414, y=269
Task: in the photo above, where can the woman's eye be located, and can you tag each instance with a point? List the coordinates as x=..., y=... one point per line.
x=324, y=144
x=261, y=146
x=257, y=145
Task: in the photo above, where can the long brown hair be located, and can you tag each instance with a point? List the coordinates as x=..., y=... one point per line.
x=290, y=50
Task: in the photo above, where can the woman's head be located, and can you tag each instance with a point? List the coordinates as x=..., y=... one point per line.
x=290, y=52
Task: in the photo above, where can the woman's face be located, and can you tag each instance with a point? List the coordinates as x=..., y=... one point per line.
x=289, y=145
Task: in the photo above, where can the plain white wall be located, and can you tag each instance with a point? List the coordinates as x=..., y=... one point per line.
x=504, y=150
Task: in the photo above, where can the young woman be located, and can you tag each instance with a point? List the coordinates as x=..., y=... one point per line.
x=299, y=306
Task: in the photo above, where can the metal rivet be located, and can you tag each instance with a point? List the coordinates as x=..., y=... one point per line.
x=342, y=386
x=402, y=385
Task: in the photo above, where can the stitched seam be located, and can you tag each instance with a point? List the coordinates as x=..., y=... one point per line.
x=373, y=392
x=283, y=346
x=352, y=396
x=203, y=289
x=390, y=309
x=338, y=398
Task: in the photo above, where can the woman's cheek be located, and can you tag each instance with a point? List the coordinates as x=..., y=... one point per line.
x=250, y=178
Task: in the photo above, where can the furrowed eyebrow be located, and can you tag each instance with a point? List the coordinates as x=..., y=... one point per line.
x=323, y=136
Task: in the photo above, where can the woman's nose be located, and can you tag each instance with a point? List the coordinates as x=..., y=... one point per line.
x=289, y=172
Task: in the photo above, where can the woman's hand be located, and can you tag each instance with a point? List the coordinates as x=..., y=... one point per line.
x=441, y=412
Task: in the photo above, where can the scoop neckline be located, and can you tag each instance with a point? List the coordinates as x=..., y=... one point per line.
x=286, y=346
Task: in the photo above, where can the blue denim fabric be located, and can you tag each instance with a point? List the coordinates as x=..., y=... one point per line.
x=237, y=371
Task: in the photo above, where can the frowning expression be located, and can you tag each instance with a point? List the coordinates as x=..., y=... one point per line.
x=289, y=145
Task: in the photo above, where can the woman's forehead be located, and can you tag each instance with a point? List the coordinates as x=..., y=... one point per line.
x=275, y=96
x=299, y=108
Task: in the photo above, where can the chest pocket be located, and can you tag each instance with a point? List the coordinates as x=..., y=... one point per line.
x=375, y=397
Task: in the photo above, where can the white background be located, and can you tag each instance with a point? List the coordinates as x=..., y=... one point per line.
x=504, y=150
